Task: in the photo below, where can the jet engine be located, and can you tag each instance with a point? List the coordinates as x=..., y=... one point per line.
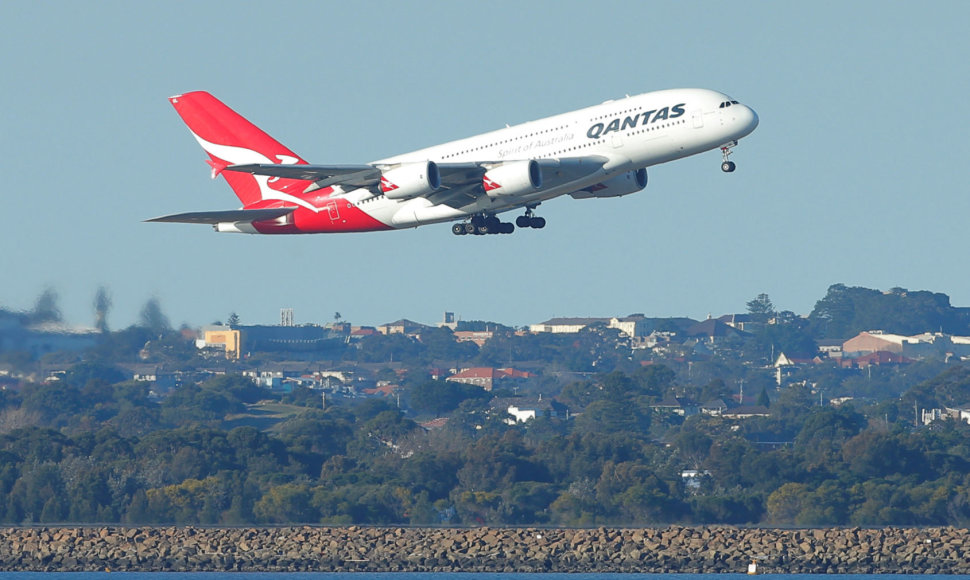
x=622, y=184
x=511, y=179
x=411, y=180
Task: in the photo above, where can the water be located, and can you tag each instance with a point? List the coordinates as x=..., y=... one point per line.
x=444, y=576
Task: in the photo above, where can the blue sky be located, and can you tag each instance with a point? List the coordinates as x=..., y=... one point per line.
x=856, y=174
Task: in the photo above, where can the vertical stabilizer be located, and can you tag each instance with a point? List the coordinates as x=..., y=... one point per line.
x=230, y=139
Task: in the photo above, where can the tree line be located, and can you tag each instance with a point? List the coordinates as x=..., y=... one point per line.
x=86, y=449
x=95, y=446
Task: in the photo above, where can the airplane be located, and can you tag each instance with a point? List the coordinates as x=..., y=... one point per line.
x=597, y=152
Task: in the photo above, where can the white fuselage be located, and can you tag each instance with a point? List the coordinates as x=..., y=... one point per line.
x=632, y=133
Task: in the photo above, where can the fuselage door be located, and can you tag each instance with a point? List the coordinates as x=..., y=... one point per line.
x=698, y=118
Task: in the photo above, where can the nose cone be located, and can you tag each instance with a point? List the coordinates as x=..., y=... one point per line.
x=748, y=119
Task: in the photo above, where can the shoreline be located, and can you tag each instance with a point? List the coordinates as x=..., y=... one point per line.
x=672, y=549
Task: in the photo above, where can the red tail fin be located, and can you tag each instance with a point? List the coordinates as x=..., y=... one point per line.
x=230, y=139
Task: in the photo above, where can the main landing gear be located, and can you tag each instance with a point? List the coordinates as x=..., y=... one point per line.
x=529, y=220
x=482, y=224
x=726, y=165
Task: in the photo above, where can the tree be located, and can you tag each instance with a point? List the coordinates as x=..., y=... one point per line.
x=153, y=318
x=440, y=397
x=102, y=305
x=785, y=503
x=845, y=311
x=46, y=308
x=761, y=307
x=233, y=319
x=288, y=503
x=763, y=399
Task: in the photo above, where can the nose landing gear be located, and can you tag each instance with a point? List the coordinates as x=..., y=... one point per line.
x=728, y=166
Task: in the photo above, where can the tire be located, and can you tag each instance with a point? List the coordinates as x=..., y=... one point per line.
x=523, y=222
x=538, y=223
x=469, y=228
x=458, y=229
x=728, y=166
x=507, y=228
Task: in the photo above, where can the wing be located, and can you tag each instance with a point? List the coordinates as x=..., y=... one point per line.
x=232, y=215
x=452, y=174
x=461, y=183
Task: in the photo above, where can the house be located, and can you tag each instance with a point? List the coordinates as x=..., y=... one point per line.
x=918, y=346
x=488, y=377
x=785, y=366
x=479, y=337
x=831, y=348
x=566, y=325
x=360, y=332
x=877, y=358
x=746, y=412
x=959, y=413
x=692, y=478
x=523, y=409
x=927, y=416
x=677, y=406
x=383, y=389
x=874, y=341
x=633, y=326
x=221, y=338
x=236, y=340
x=714, y=408
x=403, y=326
x=714, y=331
x=742, y=322
x=434, y=424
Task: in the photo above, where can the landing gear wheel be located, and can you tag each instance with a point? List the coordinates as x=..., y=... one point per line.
x=537, y=223
x=469, y=228
x=458, y=229
x=523, y=221
x=726, y=165
x=482, y=230
x=506, y=228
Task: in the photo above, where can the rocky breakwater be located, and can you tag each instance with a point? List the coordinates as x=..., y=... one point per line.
x=671, y=549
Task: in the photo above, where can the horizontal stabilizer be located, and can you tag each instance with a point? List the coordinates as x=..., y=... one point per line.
x=307, y=172
x=232, y=215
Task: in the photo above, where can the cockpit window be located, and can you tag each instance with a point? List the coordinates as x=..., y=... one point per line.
x=727, y=104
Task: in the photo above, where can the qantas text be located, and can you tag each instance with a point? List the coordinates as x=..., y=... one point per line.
x=647, y=117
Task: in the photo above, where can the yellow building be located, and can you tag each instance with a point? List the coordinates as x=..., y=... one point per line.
x=230, y=340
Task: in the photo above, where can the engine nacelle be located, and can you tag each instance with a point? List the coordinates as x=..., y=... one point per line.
x=411, y=180
x=511, y=179
x=623, y=184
